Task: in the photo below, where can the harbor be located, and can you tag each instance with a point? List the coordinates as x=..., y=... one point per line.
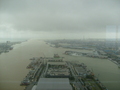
x=60, y=45
x=19, y=58
x=55, y=68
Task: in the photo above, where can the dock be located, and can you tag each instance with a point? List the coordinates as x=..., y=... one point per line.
x=75, y=76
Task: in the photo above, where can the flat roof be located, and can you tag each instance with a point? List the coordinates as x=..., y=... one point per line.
x=53, y=84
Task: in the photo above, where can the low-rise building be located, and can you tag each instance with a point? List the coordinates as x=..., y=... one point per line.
x=53, y=84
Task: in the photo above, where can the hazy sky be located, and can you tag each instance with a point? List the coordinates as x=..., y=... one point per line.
x=58, y=18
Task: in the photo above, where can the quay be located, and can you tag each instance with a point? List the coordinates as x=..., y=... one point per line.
x=54, y=73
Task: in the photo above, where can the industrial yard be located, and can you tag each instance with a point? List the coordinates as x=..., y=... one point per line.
x=29, y=56
x=95, y=48
x=51, y=73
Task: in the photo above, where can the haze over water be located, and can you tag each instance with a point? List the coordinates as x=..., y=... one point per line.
x=13, y=65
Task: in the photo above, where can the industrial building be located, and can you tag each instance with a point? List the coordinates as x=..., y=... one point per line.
x=53, y=84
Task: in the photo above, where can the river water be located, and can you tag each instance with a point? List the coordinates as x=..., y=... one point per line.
x=13, y=64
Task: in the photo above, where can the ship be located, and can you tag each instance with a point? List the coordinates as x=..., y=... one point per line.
x=119, y=66
x=51, y=73
x=11, y=48
x=56, y=56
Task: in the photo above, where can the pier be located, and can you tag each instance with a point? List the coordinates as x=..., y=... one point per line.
x=52, y=68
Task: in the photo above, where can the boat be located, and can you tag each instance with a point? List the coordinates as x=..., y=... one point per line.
x=11, y=48
x=56, y=56
x=118, y=66
x=25, y=82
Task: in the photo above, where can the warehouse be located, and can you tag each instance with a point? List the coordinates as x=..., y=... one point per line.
x=53, y=84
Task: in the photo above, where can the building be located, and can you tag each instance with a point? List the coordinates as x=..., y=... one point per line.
x=53, y=84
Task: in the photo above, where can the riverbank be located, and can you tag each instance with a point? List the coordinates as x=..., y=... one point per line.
x=7, y=46
x=13, y=64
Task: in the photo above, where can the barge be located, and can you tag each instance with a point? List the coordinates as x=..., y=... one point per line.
x=54, y=73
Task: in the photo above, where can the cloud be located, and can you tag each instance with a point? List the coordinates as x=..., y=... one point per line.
x=60, y=16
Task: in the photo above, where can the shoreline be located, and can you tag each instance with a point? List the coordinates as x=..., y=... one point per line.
x=8, y=46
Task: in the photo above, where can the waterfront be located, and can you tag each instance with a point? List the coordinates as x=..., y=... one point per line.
x=13, y=65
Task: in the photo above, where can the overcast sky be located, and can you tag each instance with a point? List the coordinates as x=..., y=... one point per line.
x=58, y=18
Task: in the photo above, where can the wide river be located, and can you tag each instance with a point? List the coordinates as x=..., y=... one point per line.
x=13, y=64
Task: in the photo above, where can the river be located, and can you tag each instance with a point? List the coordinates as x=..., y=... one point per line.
x=13, y=65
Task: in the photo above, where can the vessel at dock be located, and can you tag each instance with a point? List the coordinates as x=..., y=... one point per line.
x=54, y=73
x=56, y=56
x=118, y=66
